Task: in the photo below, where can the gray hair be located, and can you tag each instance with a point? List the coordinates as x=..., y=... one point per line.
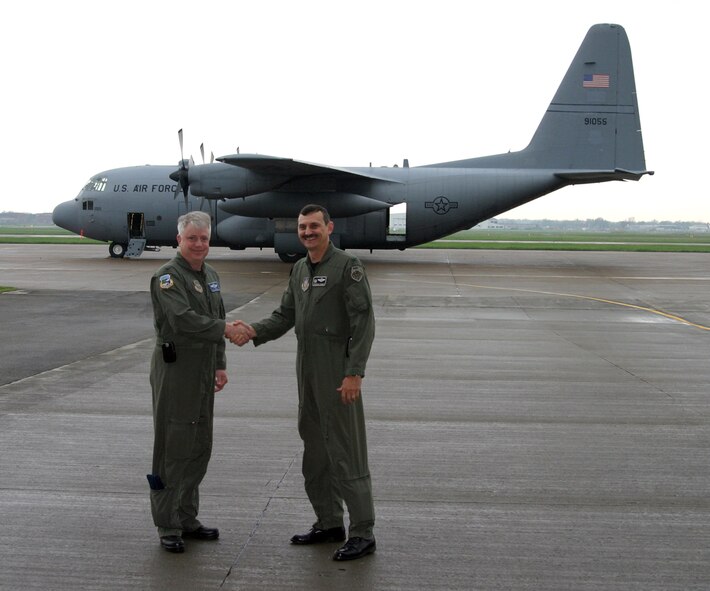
x=199, y=219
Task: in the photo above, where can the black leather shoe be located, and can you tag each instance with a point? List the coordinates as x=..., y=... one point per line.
x=172, y=543
x=202, y=533
x=355, y=548
x=320, y=536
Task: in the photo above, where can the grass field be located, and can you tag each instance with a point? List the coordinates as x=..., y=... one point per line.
x=469, y=239
x=41, y=235
x=35, y=230
x=606, y=241
x=630, y=237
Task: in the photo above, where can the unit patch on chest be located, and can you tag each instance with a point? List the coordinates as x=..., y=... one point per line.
x=198, y=286
x=305, y=284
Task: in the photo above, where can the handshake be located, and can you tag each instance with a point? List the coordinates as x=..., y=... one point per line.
x=239, y=332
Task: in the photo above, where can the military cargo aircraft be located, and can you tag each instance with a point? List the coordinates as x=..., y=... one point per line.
x=590, y=133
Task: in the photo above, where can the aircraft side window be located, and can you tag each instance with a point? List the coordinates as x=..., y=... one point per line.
x=87, y=205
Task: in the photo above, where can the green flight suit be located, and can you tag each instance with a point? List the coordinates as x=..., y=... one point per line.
x=188, y=312
x=330, y=306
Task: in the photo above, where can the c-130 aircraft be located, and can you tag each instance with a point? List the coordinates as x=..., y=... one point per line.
x=590, y=133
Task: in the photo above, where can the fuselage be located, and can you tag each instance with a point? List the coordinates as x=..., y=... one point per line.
x=416, y=206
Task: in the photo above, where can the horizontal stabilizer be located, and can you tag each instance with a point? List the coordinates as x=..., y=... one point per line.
x=600, y=176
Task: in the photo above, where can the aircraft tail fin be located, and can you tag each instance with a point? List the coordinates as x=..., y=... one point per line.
x=591, y=132
x=593, y=120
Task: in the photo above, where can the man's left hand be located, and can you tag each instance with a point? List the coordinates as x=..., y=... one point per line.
x=350, y=389
x=220, y=379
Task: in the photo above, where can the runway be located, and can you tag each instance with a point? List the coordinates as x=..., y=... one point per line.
x=536, y=420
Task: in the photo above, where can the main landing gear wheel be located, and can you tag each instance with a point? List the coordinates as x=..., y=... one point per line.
x=290, y=257
x=116, y=250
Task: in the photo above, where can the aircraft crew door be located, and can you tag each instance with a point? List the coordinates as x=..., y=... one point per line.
x=397, y=223
x=136, y=234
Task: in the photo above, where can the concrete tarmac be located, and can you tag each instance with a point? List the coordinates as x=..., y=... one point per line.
x=536, y=420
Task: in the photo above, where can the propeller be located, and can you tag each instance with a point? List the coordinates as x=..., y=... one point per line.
x=180, y=176
x=202, y=152
x=202, y=199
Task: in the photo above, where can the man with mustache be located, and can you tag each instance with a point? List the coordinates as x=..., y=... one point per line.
x=329, y=303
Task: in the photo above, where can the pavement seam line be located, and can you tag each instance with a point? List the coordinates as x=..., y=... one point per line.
x=258, y=522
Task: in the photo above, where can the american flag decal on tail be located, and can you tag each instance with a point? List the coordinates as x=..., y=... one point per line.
x=596, y=81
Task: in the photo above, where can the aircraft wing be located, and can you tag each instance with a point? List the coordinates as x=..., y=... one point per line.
x=274, y=165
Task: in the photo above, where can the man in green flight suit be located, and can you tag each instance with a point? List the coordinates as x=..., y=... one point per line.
x=328, y=301
x=187, y=368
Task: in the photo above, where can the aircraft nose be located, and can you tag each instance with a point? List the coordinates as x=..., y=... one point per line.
x=65, y=215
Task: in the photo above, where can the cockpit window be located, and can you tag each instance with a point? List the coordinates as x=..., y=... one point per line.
x=96, y=184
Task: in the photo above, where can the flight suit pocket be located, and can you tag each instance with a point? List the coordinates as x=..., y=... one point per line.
x=180, y=439
x=358, y=297
x=332, y=331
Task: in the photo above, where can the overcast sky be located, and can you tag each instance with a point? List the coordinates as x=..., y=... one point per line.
x=89, y=86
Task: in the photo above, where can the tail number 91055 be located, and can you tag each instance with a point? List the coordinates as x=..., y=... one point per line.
x=595, y=120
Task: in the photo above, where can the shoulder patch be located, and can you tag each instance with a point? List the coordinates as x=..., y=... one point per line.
x=357, y=273
x=166, y=281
